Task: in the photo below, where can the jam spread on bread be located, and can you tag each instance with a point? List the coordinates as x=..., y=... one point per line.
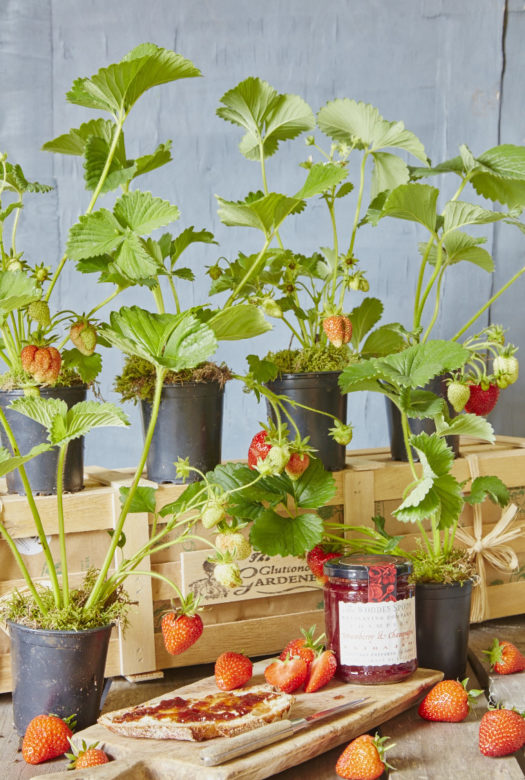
x=215, y=707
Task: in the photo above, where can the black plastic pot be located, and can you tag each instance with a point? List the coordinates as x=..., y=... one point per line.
x=397, y=444
x=42, y=470
x=442, y=626
x=189, y=425
x=59, y=672
x=317, y=390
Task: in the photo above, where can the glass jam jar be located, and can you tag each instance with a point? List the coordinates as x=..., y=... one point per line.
x=370, y=617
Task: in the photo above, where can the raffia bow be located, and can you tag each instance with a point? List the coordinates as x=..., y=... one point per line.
x=492, y=548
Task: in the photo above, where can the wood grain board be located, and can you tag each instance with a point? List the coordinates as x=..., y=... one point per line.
x=166, y=758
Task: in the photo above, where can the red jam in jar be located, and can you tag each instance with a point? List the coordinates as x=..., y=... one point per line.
x=370, y=617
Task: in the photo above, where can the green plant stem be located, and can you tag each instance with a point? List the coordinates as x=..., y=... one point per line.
x=174, y=293
x=436, y=306
x=461, y=187
x=34, y=510
x=104, y=302
x=157, y=576
x=159, y=300
x=248, y=274
x=289, y=325
x=99, y=584
x=23, y=569
x=406, y=438
x=489, y=303
x=430, y=284
x=330, y=204
x=15, y=223
x=420, y=280
x=359, y=201
x=61, y=524
x=10, y=346
x=94, y=197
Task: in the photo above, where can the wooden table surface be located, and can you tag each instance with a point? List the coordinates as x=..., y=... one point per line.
x=422, y=751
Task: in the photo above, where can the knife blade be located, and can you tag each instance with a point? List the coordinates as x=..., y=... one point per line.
x=266, y=735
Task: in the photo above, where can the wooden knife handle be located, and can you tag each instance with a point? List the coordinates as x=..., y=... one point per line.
x=245, y=743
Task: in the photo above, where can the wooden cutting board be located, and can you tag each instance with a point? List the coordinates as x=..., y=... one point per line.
x=151, y=758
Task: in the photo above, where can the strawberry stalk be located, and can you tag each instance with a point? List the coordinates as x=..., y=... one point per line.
x=61, y=525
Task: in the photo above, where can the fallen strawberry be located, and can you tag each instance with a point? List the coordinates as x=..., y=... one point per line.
x=46, y=737
x=305, y=647
x=297, y=464
x=448, y=701
x=317, y=557
x=287, y=675
x=482, y=401
x=338, y=329
x=505, y=658
x=87, y=756
x=363, y=758
x=321, y=671
x=501, y=732
x=182, y=628
x=43, y=363
x=232, y=670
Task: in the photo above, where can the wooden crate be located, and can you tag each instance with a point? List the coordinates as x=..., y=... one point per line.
x=258, y=621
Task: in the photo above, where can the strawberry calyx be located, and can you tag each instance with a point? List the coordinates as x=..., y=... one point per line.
x=78, y=752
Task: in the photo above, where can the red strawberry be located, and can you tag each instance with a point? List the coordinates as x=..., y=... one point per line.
x=87, y=756
x=232, y=670
x=338, y=329
x=46, y=737
x=84, y=336
x=297, y=465
x=287, y=675
x=505, y=658
x=43, y=363
x=316, y=558
x=259, y=448
x=181, y=629
x=363, y=758
x=482, y=401
x=447, y=701
x=321, y=671
x=305, y=648
x=501, y=732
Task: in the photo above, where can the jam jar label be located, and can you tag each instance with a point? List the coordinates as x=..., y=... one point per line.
x=377, y=634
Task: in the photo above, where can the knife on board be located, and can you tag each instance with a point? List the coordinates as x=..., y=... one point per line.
x=266, y=735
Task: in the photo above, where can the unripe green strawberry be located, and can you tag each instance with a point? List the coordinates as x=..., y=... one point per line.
x=506, y=370
x=14, y=265
x=84, y=337
x=228, y=574
x=214, y=272
x=271, y=308
x=39, y=311
x=236, y=544
x=212, y=513
x=277, y=458
x=458, y=395
x=341, y=433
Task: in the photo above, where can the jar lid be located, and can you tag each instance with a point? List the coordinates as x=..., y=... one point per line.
x=356, y=566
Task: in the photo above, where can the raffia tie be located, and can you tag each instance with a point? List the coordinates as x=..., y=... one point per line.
x=492, y=548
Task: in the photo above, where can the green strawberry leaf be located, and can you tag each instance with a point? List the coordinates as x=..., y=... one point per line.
x=488, y=487
x=273, y=534
x=150, y=162
x=143, y=213
x=267, y=116
x=238, y=322
x=314, y=488
x=434, y=455
x=462, y=247
x=457, y=213
x=144, y=498
x=96, y=154
x=9, y=463
x=321, y=177
x=117, y=87
x=471, y=425
x=389, y=172
x=416, y=366
x=41, y=410
x=16, y=291
x=384, y=341
x=184, y=502
x=414, y=202
x=266, y=213
x=83, y=418
x=186, y=238
x=361, y=376
x=363, y=319
x=133, y=260
x=184, y=273
x=262, y=370
x=94, y=234
x=419, y=498
x=75, y=141
x=421, y=403
x=87, y=366
x=16, y=179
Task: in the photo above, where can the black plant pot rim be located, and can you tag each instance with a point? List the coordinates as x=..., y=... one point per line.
x=305, y=374
x=56, y=631
x=44, y=388
x=446, y=585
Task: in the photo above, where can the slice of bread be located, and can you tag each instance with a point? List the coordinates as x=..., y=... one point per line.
x=220, y=714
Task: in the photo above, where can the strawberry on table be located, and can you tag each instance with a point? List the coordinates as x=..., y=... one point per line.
x=321, y=671
x=363, y=758
x=232, y=670
x=448, y=701
x=482, y=400
x=87, y=756
x=287, y=675
x=501, y=732
x=181, y=628
x=505, y=658
x=46, y=737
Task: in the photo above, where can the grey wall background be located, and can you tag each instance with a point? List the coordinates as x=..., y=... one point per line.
x=452, y=71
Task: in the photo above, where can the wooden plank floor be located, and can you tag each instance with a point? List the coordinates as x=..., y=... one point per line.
x=422, y=751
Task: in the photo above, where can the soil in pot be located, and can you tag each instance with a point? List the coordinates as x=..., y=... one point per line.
x=59, y=672
x=42, y=470
x=189, y=424
x=397, y=444
x=442, y=626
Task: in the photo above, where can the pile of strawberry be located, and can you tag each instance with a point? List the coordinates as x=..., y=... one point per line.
x=48, y=737
x=303, y=661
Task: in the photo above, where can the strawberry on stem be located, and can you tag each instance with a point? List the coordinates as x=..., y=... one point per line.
x=181, y=628
x=363, y=758
x=338, y=329
x=448, y=701
x=317, y=557
x=232, y=670
x=482, y=400
x=43, y=363
x=501, y=732
x=505, y=658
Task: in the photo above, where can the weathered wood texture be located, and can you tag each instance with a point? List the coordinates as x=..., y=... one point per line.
x=507, y=690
